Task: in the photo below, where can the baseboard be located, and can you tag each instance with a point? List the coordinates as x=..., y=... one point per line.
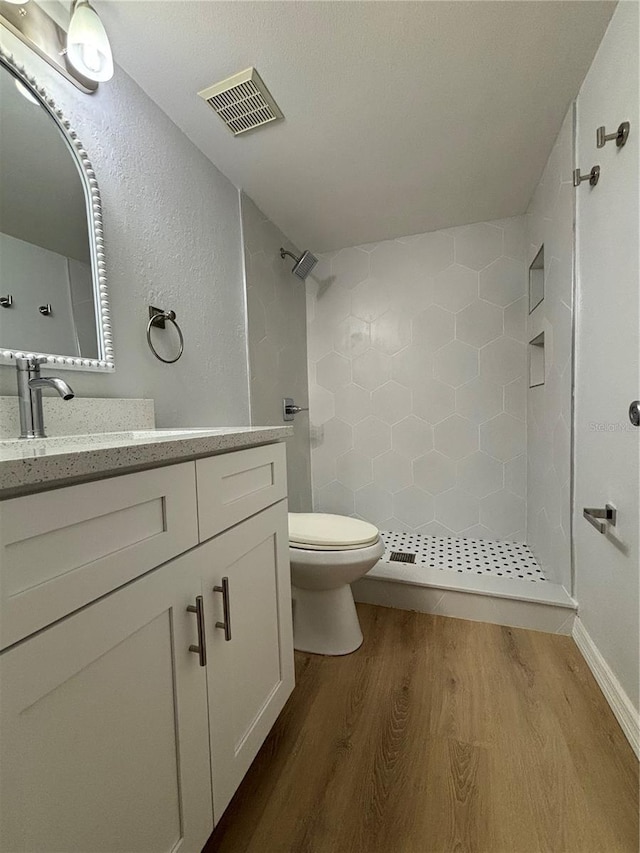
x=615, y=695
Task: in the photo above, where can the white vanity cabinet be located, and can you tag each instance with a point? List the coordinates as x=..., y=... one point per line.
x=113, y=734
x=250, y=665
x=104, y=730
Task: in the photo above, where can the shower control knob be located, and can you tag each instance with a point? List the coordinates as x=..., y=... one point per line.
x=289, y=409
x=634, y=413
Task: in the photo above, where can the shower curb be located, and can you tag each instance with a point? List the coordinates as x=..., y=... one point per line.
x=511, y=607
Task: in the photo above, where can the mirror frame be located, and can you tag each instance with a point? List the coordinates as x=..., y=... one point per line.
x=105, y=361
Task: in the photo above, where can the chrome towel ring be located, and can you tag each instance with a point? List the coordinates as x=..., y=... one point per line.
x=157, y=319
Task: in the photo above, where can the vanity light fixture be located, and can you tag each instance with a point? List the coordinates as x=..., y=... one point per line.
x=83, y=55
x=88, y=47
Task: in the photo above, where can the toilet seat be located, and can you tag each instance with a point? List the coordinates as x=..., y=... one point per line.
x=318, y=531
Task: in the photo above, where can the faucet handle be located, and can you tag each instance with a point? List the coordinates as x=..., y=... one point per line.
x=30, y=362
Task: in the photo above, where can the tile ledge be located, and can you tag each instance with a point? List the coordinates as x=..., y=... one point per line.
x=553, y=594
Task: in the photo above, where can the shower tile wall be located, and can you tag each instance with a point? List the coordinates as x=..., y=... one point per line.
x=276, y=321
x=549, y=221
x=417, y=368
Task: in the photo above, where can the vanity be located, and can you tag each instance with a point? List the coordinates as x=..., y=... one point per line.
x=146, y=644
x=146, y=632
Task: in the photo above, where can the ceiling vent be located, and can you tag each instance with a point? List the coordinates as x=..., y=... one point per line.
x=243, y=102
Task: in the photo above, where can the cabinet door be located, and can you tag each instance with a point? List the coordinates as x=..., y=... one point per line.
x=249, y=676
x=104, y=729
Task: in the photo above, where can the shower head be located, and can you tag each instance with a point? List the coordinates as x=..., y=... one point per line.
x=303, y=265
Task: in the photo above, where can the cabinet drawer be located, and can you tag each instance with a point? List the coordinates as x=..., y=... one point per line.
x=62, y=549
x=233, y=486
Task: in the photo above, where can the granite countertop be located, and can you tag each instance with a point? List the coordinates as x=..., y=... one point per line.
x=46, y=463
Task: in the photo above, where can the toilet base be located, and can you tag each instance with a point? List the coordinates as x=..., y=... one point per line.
x=325, y=621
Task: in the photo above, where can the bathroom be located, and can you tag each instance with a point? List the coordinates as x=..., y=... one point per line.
x=399, y=301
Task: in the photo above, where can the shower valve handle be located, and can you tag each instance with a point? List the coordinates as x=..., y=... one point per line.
x=289, y=409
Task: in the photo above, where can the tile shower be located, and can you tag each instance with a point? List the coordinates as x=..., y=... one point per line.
x=422, y=419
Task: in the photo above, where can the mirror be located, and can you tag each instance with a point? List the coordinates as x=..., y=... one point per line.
x=53, y=296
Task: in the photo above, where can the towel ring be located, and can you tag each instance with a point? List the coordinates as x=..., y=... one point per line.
x=157, y=318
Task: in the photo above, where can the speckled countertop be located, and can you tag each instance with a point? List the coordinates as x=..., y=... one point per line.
x=47, y=463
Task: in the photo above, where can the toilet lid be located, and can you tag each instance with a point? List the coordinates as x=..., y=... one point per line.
x=324, y=531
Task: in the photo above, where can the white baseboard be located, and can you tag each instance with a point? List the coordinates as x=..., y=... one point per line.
x=614, y=693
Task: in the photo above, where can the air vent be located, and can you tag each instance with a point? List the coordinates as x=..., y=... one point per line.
x=402, y=557
x=243, y=102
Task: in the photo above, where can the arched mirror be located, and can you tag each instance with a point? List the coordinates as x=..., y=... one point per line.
x=53, y=292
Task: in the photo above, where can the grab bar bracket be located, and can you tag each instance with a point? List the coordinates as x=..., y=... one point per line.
x=600, y=518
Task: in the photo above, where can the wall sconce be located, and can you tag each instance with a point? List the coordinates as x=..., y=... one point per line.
x=82, y=55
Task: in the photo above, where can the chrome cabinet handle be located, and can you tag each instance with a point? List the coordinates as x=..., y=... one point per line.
x=594, y=514
x=226, y=609
x=201, y=648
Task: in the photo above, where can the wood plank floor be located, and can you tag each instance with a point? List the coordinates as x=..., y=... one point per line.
x=440, y=735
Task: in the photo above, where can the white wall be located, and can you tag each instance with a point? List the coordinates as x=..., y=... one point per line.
x=608, y=354
x=277, y=343
x=36, y=276
x=417, y=377
x=550, y=220
x=172, y=234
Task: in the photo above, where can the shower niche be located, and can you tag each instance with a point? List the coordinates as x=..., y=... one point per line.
x=536, y=361
x=536, y=280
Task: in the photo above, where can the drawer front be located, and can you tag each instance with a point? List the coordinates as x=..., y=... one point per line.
x=233, y=486
x=62, y=549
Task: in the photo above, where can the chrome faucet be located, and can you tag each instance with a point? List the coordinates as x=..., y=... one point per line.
x=30, y=385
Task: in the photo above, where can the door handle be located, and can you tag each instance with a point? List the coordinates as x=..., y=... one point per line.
x=226, y=609
x=601, y=518
x=201, y=648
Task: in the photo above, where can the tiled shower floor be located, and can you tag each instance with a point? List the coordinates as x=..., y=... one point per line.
x=473, y=556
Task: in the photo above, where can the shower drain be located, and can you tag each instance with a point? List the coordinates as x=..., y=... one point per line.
x=402, y=557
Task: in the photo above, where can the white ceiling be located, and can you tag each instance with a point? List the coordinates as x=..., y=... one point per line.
x=400, y=117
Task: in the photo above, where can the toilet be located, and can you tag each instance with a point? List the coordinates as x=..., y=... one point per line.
x=328, y=553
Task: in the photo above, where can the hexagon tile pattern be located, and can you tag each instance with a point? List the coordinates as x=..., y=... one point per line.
x=417, y=364
x=549, y=222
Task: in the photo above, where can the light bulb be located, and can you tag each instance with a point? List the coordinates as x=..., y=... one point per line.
x=88, y=48
x=25, y=92
x=17, y=2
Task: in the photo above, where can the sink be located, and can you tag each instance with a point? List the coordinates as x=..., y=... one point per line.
x=110, y=437
x=168, y=433
x=36, y=464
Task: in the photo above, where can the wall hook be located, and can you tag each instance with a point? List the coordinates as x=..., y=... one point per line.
x=6, y=301
x=593, y=177
x=621, y=135
x=45, y=309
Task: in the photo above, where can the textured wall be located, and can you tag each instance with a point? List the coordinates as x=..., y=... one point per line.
x=172, y=233
x=277, y=340
x=550, y=220
x=417, y=377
